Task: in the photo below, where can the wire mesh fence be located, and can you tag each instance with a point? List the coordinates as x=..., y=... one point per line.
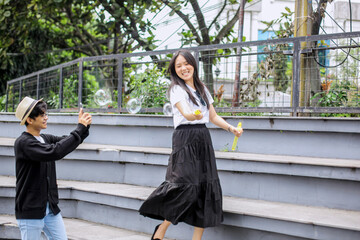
x=293, y=76
x=260, y=78
x=334, y=72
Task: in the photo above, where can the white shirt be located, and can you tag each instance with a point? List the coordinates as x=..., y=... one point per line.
x=40, y=139
x=178, y=94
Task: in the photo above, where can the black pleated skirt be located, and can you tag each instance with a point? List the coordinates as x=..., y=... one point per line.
x=191, y=192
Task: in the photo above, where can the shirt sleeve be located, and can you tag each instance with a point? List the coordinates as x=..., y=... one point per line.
x=177, y=94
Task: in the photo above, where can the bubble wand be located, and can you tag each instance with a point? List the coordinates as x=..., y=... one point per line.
x=236, y=138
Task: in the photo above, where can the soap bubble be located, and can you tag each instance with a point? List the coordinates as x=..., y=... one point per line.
x=133, y=105
x=102, y=97
x=167, y=109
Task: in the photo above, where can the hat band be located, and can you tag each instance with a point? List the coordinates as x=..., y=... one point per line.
x=30, y=107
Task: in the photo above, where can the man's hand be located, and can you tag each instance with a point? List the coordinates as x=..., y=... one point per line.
x=84, y=118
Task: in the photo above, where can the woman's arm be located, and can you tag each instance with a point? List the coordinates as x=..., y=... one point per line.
x=220, y=122
x=190, y=116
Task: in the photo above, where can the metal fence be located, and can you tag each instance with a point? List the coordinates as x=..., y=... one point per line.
x=293, y=76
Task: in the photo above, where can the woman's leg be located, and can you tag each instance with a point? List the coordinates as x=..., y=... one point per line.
x=160, y=233
x=198, y=232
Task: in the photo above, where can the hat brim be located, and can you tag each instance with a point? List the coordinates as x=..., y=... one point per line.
x=31, y=109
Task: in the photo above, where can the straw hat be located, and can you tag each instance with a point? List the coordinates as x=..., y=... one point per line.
x=24, y=108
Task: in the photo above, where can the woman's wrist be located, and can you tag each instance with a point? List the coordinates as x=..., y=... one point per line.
x=229, y=128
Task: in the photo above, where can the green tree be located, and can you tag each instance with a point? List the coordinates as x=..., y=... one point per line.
x=36, y=34
x=21, y=36
x=99, y=27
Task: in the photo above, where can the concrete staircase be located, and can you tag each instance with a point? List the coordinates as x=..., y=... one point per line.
x=293, y=178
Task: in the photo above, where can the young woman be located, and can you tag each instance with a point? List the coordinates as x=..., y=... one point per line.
x=192, y=191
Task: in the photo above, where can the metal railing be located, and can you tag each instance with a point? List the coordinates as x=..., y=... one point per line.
x=313, y=74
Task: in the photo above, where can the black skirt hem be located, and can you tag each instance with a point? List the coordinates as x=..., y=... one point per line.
x=180, y=202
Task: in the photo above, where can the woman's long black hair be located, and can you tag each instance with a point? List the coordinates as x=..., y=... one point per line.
x=176, y=80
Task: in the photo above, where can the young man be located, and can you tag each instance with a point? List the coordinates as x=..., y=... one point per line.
x=36, y=200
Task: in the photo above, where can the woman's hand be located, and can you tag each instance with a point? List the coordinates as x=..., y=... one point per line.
x=84, y=118
x=185, y=110
x=198, y=116
x=220, y=122
x=236, y=131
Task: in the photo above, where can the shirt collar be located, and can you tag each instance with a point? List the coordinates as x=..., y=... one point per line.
x=191, y=89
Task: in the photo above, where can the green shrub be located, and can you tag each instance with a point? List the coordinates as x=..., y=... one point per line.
x=2, y=103
x=70, y=92
x=341, y=94
x=150, y=86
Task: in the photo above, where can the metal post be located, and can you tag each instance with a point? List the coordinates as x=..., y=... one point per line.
x=61, y=89
x=301, y=23
x=7, y=97
x=196, y=56
x=37, y=86
x=296, y=77
x=20, y=90
x=120, y=83
x=80, y=82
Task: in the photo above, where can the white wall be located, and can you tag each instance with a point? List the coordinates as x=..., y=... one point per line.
x=168, y=27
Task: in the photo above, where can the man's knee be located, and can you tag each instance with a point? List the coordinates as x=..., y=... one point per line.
x=30, y=228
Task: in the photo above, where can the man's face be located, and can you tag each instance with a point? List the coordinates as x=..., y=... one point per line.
x=40, y=122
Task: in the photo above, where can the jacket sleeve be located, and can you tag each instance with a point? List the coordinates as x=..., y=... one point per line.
x=85, y=133
x=55, y=139
x=43, y=152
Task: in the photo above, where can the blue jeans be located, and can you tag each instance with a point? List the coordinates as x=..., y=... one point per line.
x=52, y=225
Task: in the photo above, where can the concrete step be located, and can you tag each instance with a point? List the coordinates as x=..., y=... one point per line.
x=76, y=229
x=310, y=181
x=117, y=205
x=240, y=156
x=297, y=136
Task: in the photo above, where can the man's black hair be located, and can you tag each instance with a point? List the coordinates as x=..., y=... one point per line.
x=39, y=109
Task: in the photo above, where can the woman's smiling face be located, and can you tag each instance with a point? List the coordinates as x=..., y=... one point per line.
x=183, y=69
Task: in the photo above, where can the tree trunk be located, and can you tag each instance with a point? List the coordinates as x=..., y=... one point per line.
x=313, y=69
x=237, y=87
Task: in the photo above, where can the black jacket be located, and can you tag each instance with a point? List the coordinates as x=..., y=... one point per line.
x=35, y=171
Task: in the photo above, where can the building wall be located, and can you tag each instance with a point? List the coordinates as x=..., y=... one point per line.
x=168, y=27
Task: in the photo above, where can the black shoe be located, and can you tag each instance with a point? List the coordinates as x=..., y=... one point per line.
x=152, y=237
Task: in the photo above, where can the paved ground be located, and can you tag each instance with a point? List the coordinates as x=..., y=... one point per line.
x=82, y=230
